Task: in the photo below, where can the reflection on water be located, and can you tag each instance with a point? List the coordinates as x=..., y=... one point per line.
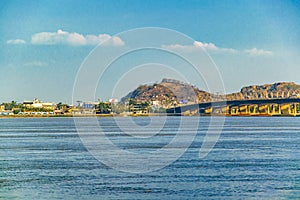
x=254, y=158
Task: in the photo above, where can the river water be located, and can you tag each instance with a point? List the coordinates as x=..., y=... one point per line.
x=254, y=158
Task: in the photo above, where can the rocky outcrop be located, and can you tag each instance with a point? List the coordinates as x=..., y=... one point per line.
x=267, y=91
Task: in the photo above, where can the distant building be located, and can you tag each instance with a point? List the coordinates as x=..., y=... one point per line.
x=138, y=109
x=169, y=80
x=87, y=104
x=113, y=100
x=85, y=108
x=2, y=107
x=50, y=105
x=36, y=103
x=183, y=101
x=27, y=103
x=156, y=103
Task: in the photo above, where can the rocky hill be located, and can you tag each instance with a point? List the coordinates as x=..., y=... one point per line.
x=267, y=91
x=170, y=92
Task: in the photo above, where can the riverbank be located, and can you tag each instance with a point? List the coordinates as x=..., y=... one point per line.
x=137, y=115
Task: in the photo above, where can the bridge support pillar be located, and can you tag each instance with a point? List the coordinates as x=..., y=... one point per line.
x=295, y=109
x=253, y=109
x=234, y=110
x=274, y=109
x=286, y=109
x=264, y=109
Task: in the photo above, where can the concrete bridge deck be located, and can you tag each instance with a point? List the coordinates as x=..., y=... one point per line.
x=242, y=107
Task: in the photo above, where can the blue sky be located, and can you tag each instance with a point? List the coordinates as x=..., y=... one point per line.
x=251, y=42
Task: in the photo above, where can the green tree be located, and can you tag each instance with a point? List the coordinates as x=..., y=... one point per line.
x=16, y=112
x=132, y=101
x=104, y=108
x=59, y=105
x=11, y=105
x=145, y=105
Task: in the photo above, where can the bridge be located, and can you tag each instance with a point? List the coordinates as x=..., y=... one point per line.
x=253, y=107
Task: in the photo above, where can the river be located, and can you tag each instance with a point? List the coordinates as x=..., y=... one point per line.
x=254, y=158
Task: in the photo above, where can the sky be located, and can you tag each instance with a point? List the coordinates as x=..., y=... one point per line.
x=43, y=44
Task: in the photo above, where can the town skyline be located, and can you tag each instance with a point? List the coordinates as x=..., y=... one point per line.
x=99, y=99
x=172, y=97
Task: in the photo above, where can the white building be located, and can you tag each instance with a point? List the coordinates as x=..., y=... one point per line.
x=36, y=103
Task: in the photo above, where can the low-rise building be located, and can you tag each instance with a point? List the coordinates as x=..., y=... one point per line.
x=2, y=107
x=49, y=105
x=86, y=108
x=36, y=103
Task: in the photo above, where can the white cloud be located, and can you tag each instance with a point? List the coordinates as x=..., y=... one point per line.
x=212, y=48
x=197, y=44
x=258, y=52
x=209, y=46
x=74, y=39
x=35, y=64
x=16, y=41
